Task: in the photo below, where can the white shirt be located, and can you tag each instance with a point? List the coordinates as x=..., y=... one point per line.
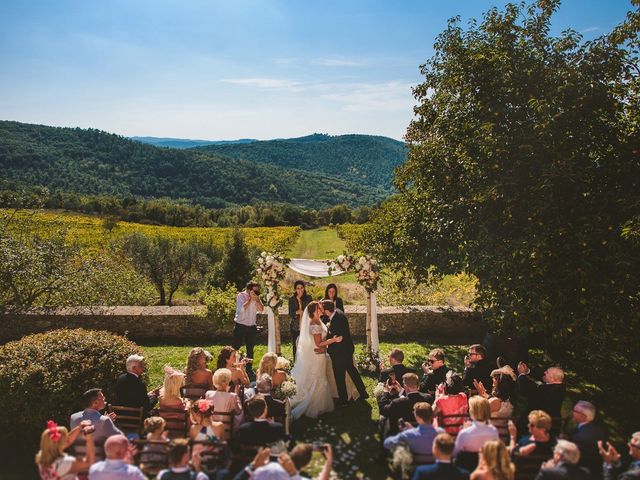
x=245, y=316
x=472, y=439
x=199, y=476
x=115, y=470
x=274, y=471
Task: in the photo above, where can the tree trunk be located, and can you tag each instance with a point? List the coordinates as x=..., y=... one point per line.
x=163, y=300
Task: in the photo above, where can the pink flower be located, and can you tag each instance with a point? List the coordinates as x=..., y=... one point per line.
x=203, y=406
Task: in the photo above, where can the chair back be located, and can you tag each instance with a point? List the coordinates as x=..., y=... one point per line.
x=502, y=425
x=467, y=460
x=193, y=391
x=177, y=421
x=452, y=424
x=247, y=452
x=227, y=419
x=152, y=456
x=528, y=466
x=214, y=455
x=128, y=419
x=559, y=425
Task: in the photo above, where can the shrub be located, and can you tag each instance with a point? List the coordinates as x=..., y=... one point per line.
x=220, y=303
x=43, y=376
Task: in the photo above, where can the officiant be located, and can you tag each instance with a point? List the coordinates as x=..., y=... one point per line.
x=297, y=303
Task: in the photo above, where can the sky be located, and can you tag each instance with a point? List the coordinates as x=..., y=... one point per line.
x=229, y=69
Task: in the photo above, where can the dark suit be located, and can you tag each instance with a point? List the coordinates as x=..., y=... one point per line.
x=294, y=325
x=275, y=407
x=342, y=357
x=564, y=471
x=393, y=408
x=586, y=438
x=431, y=380
x=547, y=397
x=616, y=473
x=480, y=371
x=398, y=370
x=260, y=432
x=440, y=471
x=132, y=392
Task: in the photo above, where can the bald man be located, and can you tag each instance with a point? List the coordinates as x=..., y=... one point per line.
x=115, y=467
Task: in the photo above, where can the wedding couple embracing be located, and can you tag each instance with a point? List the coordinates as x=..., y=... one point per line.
x=324, y=367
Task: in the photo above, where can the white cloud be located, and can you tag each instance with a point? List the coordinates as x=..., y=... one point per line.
x=338, y=62
x=262, y=82
x=590, y=29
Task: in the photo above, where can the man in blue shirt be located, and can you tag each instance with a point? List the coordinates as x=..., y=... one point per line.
x=420, y=438
x=443, y=469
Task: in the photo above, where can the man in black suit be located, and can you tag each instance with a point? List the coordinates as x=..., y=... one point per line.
x=586, y=436
x=394, y=407
x=443, y=469
x=397, y=368
x=259, y=431
x=341, y=353
x=435, y=372
x=477, y=367
x=131, y=390
x=275, y=408
x=546, y=396
x=564, y=464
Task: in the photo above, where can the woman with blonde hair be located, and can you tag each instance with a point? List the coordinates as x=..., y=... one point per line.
x=269, y=365
x=222, y=400
x=197, y=372
x=170, y=393
x=494, y=463
x=53, y=462
x=470, y=440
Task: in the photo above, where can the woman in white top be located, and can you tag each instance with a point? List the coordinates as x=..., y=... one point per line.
x=53, y=462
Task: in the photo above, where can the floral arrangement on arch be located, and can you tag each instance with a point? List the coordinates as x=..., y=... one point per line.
x=366, y=268
x=368, y=361
x=271, y=269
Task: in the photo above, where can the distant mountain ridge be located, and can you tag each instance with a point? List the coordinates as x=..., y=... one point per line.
x=186, y=142
x=93, y=162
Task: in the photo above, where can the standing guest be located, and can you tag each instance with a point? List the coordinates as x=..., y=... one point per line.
x=451, y=400
x=435, y=371
x=548, y=395
x=472, y=438
x=477, y=367
x=170, y=392
x=179, y=463
x=248, y=304
x=94, y=401
x=117, y=465
x=612, y=468
x=196, y=372
x=564, y=464
x=259, y=431
x=539, y=441
x=331, y=294
x=420, y=438
x=494, y=463
x=443, y=469
x=297, y=303
x=222, y=399
x=228, y=359
x=397, y=368
x=587, y=435
x=53, y=463
x=269, y=366
x=395, y=407
x=275, y=408
x=131, y=390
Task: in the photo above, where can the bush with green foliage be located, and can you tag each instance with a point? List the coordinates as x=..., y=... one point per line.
x=43, y=376
x=236, y=265
x=220, y=303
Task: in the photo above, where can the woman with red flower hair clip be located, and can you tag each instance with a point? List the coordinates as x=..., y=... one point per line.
x=203, y=425
x=53, y=462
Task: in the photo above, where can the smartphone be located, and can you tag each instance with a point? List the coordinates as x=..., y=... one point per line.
x=318, y=447
x=88, y=429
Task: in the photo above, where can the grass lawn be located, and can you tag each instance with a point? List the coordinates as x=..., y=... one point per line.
x=319, y=244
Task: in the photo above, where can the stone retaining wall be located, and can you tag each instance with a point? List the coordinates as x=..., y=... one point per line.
x=183, y=323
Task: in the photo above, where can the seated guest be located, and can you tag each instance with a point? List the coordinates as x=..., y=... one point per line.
x=269, y=365
x=612, y=467
x=117, y=465
x=435, y=371
x=503, y=385
x=275, y=407
x=539, y=441
x=197, y=372
x=203, y=425
x=131, y=390
x=94, y=401
x=179, y=463
x=260, y=431
x=477, y=367
x=587, y=435
x=420, y=438
x=564, y=464
x=443, y=469
x=157, y=438
x=222, y=399
x=494, y=463
x=287, y=466
x=228, y=358
x=451, y=400
x=53, y=462
x=394, y=407
x=397, y=368
x=472, y=438
x=170, y=392
x=546, y=396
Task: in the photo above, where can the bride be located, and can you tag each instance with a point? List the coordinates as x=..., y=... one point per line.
x=314, y=393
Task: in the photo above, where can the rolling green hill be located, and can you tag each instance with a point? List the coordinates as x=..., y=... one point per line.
x=95, y=162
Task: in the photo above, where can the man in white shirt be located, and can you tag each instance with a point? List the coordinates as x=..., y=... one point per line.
x=116, y=467
x=248, y=305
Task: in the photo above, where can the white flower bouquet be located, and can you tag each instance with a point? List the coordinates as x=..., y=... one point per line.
x=286, y=389
x=378, y=390
x=271, y=269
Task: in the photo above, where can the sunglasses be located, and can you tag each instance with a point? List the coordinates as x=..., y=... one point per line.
x=431, y=361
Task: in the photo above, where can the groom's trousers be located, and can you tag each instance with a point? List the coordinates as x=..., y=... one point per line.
x=340, y=368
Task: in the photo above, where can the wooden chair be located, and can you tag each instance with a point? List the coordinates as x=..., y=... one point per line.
x=246, y=453
x=467, y=460
x=452, y=424
x=214, y=456
x=177, y=421
x=227, y=419
x=559, y=425
x=194, y=391
x=152, y=456
x=502, y=425
x=128, y=419
x=528, y=466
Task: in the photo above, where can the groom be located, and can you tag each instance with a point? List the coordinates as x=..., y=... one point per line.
x=342, y=353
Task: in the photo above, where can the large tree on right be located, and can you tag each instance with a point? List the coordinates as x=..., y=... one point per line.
x=524, y=169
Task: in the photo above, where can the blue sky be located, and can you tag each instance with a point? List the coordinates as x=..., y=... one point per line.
x=226, y=69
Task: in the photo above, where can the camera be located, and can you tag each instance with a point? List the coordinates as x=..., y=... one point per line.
x=88, y=429
x=318, y=447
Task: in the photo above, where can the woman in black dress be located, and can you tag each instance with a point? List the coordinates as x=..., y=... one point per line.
x=297, y=303
x=331, y=293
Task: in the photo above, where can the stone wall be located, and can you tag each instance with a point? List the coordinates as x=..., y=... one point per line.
x=171, y=324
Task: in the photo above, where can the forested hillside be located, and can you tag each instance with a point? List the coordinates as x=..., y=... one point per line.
x=186, y=142
x=94, y=162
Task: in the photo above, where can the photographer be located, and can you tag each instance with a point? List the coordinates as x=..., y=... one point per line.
x=287, y=465
x=53, y=461
x=248, y=304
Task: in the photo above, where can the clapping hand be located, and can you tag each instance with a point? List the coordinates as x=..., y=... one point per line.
x=523, y=369
x=439, y=390
x=425, y=367
x=527, y=449
x=513, y=431
x=337, y=339
x=112, y=416
x=610, y=455
x=261, y=458
x=480, y=388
